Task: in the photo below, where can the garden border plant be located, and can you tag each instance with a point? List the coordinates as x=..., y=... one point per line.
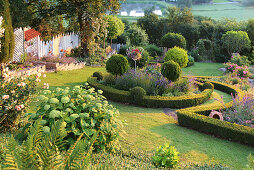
x=152, y=101
x=197, y=118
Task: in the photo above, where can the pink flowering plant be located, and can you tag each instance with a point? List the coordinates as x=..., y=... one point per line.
x=15, y=94
x=240, y=71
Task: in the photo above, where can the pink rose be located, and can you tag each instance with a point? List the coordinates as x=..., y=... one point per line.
x=17, y=107
x=4, y=97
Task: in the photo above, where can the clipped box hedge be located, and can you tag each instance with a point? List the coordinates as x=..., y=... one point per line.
x=197, y=118
x=152, y=101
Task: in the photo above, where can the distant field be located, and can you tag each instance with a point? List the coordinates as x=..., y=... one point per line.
x=215, y=11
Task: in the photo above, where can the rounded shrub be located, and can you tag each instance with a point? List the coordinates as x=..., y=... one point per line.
x=117, y=65
x=141, y=62
x=171, y=40
x=171, y=70
x=190, y=61
x=123, y=50
x=137, y=94
x=208, y=85
x=98, y=75
x=178, y=55
x=82, y=110
x=166, y=156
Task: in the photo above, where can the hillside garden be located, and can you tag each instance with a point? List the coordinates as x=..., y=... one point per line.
x=163, y=101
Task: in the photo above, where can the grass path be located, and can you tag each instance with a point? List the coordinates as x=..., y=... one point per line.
x=148, y=128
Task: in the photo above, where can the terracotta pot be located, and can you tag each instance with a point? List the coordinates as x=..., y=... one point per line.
x=216, y=115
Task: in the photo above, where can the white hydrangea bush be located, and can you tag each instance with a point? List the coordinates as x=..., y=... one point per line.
x=81, y=109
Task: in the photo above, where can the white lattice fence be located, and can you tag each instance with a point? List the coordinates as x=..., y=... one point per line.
x=19, y=45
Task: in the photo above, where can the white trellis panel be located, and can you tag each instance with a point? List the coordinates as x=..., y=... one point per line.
x=19, y=46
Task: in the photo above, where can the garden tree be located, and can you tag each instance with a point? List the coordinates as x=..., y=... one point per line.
x=236, y=41
x=178, y=16
x=1, y=30
x=21, y=15
x=171, y=40
x=137, y=36
x=44, y=18
x=207, y=29
x=250, y=30
x=7, y=41
x=149, y=11
x=184, y=3
x=190, y=32
x=86, y=12
x=150, y=23
x=115, y=27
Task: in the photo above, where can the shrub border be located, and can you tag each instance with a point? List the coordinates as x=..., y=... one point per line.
x=197, y=118
x=152, y=101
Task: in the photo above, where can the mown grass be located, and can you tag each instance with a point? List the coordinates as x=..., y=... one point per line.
x=204, y=69
x=146, y=129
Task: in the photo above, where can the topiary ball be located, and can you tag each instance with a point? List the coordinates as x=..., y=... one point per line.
x=208, y=85
x=171, y=70
x=98, y=75
x=117, y=64
x=171, y=40
x=178, y=55
x=137, y=94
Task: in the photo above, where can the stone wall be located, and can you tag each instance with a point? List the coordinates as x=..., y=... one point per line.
x=32, y=70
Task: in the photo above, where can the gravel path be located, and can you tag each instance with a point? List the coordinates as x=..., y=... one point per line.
x=170, y=112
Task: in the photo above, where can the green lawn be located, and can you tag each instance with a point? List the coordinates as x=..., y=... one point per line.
x=204, y=69
x=148, y=128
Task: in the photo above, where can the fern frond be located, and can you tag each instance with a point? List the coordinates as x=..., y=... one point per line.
x=78, y=154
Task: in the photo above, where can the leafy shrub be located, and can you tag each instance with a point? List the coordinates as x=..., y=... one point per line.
x=15, y=94
x=240, y=71
x=171, y=40
x=44, y=150
x=153, y=50
x=171, y=70
x=178, y=55
x=204, y=47
x=98, y=75
x=166, y=156
x=117, y=65
x=137, y=36
x=240, y=60
x=236, y=41
x=76, y=53
x=236, y=81
x=194, y=53
x=82, y=111
x=190, y=61
x=250, y=162
x=137, y=94
x=109, y=79
x=142, y=62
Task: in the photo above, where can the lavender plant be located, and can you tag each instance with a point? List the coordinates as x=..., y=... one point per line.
x=242, y=111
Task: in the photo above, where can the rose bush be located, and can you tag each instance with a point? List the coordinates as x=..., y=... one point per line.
x=15, y=94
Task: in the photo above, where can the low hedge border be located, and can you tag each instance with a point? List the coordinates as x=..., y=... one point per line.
x=152, y=101
x=197, y=118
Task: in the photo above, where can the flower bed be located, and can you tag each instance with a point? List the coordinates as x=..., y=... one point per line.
x=152, y=101
x=197, y=118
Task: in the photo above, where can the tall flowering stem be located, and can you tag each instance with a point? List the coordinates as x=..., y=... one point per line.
x=135, y=54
